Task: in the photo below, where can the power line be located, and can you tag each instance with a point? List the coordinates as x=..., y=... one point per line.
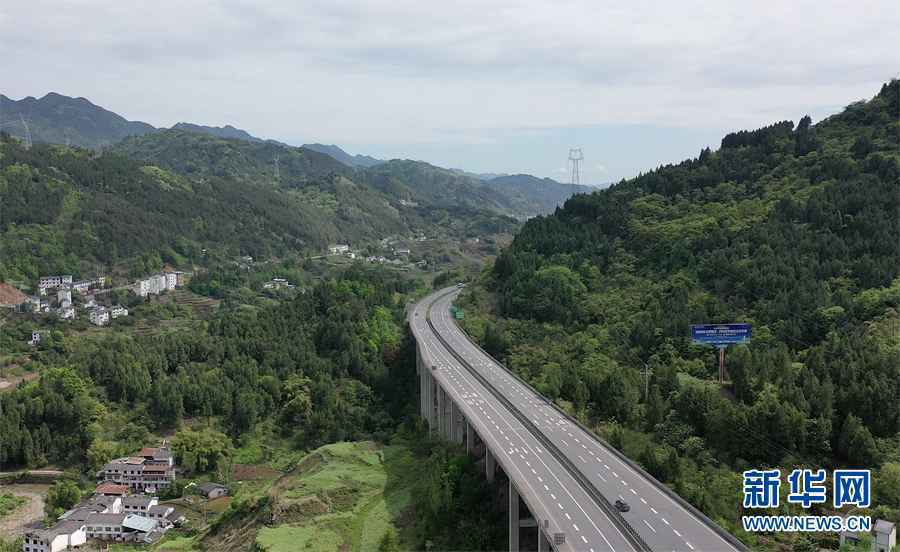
x=575, y=158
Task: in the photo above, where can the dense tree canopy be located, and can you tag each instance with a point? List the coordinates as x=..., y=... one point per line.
x=793, y=229
x=323, y=364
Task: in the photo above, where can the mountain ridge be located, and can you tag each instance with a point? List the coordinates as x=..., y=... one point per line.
x=338, y=153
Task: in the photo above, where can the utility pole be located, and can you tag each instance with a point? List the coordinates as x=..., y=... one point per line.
x=646, y=371
x=575, y=158
x=27, y=132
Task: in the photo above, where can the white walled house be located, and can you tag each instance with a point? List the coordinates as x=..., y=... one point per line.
x=149, y=471
x=64, y=298
x=99, y=316
x=339, y=249
x=117, y=310
x=156, y=284
x=62, y=536
x=48, y=282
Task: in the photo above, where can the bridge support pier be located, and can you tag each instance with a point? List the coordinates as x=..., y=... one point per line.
x=490, y=465
x=458, y=435
x=426, y=395
x=513, y=517
x=543, y=542
x=441, y=415
x=470, y=438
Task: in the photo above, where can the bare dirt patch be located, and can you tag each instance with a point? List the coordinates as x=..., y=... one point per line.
x=14, y=523
x=250, y=472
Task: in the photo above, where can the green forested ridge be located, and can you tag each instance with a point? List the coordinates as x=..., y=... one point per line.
x=532, y=195
x=58, y=119
x=322, y=365
x=794, y=229
x=205, y=155
x=65, y=210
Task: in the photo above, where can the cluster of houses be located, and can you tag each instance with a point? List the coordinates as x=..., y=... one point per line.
x=278, y=283
x=400, y=255
x=122, y=508
x=64, y=285
x=158, y=283
x=62, y=303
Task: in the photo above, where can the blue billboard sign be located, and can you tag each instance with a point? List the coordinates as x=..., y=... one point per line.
x=720, y=334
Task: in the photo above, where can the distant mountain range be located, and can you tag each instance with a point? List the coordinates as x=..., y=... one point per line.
x=344, y=157
x=226, y=131
x=60, y=119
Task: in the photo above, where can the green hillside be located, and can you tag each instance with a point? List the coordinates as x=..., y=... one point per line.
x=793, y=229
x=58, y=119
x=204, y=155
x=67, y=209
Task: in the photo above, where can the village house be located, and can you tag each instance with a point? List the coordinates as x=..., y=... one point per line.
x=156, y=284
x=49, y=282
x=117, y=310
x=278, y=283
x=111, y=489
x=65, y=535
x=110, y=514
x=884, y=537
x=64, y=298
x=99, y=316
x=339, y=249
x=212, y=490
x=66, y=313
x=151, y=470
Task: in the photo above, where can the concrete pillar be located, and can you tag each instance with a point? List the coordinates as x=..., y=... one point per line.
x=452, y=420
x=458, y=421
x=432, y=401
x=441, y=421
x=448, y=402
x=543, y=541
x=513, y=518
x=490, y=465
x=470, y=438
x=423, y=380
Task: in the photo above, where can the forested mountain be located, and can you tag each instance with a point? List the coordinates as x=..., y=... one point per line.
x=64, y=209
x=58, y=119
x=175, y=193
x=795, y=229
x=206, y=155
x=199, y=150
x=344, y=157
x=419, y=181
x=226, y=131
x=534, y=195
x=322, y=365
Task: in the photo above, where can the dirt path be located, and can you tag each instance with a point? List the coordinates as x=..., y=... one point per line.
x=14, y=523
x=9, y=383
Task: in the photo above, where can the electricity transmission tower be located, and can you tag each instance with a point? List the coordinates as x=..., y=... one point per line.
x=575, y=158
x=277, y=170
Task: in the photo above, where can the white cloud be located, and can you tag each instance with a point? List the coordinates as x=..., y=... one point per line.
x=404, y=71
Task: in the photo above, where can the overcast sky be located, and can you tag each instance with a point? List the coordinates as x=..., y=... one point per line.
x=489, y=86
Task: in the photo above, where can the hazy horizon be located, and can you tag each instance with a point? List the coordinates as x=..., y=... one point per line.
x=508, y=91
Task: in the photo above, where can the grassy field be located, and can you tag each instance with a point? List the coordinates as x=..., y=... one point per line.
x=9, y=502
x=342, y=496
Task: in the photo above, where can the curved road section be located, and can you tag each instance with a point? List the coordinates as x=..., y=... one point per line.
x=490, y=393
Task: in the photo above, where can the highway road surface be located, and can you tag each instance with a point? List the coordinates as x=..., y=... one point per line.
x=662, y=522
x=546, y=486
